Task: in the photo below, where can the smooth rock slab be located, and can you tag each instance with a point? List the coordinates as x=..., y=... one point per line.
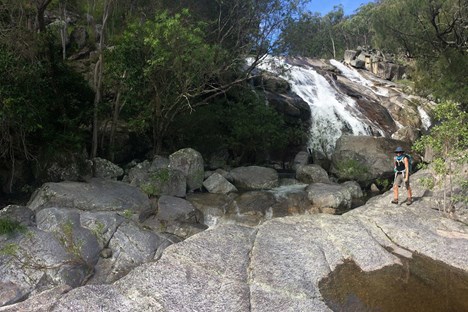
x=96, y=195
x=278, y=265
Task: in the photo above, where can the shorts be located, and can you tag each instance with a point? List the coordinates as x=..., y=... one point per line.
x=399, y=179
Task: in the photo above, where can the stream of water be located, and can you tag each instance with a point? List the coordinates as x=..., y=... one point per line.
x=333, y=113
x=421, y=284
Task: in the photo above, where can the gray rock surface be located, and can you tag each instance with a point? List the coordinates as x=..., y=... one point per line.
x=301, y=158
x=174, y=209
x=106, y=170
x=354, y=188
x=157, y=179
x=96, y=195
x=254, y=178
x=333, y=196
x=364, y=158
x=311, y=174
x=190, y=162
x=277, y=264
x=212, y=206
x=216, y=183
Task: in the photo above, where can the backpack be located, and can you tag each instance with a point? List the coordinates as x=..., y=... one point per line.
x=410, y=162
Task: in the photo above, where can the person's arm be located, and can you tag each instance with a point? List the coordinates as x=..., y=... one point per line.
x=406, y=169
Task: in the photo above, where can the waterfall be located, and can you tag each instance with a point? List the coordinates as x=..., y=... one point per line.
x=333, y=113
x=425, y=119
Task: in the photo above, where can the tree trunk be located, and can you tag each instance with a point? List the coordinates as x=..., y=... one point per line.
x=41, y=6
x=115, y=119
x=63, y=29
x=333, y=45
x=98, y=75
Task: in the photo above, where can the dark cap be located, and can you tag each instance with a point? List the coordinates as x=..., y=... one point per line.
x=399, y=150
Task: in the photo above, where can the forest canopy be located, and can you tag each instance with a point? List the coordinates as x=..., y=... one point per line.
x=71, y=68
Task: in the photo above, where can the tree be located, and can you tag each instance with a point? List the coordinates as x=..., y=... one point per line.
x=41, y=6
x=98, y=77
x=39, y=114
x=180, y=63
x=449, y=141
x=303, y=37
x=171, y=66
x=313, y=35
x=434, y=33
x=357, y=29
x=240, y=123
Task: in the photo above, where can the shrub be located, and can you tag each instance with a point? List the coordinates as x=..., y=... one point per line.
x=449, y=141
x=8, y=226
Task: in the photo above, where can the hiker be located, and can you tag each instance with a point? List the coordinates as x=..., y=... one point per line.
x=402, y=171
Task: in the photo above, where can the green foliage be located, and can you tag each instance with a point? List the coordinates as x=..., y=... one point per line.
x=352, y=169
x=427, y=182
x=313, y=35
x=443, y=76
x=43, y=107
x=383, y=184
x=449, y=136
x=241, y=123
x=449, y=141
x=69, y=241
x=98, y=229
x=156, y=182
x=8, y=226
x=433, y=32
x=171, y=67
x=255, y=127
x=127, y=213
x=9, y=249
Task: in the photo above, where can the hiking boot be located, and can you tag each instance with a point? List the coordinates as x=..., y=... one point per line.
x=409, y=201
x=395, y=201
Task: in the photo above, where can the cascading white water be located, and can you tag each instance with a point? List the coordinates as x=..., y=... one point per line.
x=425, y=119
x=333, y=113
x=353, y=75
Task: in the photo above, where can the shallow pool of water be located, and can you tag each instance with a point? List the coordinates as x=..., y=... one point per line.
x=421, y=284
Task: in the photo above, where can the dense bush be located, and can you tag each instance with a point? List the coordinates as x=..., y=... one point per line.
x=44, y=107
x=241, y=123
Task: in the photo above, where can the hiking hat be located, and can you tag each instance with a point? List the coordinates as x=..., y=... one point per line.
x=399, y=150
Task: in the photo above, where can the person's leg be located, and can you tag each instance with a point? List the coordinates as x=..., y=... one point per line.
x=395, y=193
x=409, y=201
x=396, y=185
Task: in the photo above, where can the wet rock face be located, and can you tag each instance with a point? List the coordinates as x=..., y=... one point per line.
x=349, y=289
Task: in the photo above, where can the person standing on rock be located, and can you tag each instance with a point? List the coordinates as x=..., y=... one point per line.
x=402, y=172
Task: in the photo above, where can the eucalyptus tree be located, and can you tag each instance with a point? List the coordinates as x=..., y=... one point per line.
x=314, y=35
x=432, y=32
x=357, y=29
x=304, y=36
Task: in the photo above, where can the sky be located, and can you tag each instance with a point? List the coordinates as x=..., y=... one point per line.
x=325, y=6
